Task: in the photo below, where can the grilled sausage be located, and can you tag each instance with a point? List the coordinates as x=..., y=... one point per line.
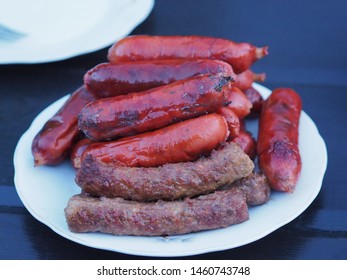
x=53, y=142
x=238, y=102
x=232, y=120
x=180, y=142
x=124, y=217
x=256, y=100
x=247, y=143
x=277, y=147
x=141, y=47
x=106, y=80
x=245, y=79
x=130, y=114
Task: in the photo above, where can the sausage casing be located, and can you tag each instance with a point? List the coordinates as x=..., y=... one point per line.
x=277, y=147
x=142, y=47
x=106, y=79
x=180, y=142
x=53, y=142
x=134, y=113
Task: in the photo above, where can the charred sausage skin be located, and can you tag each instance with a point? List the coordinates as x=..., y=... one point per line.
x=277, y=147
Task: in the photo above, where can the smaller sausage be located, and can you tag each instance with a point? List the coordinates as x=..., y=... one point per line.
x=77, y=151
x=53, y=142
x=180, y=142
x=256, y=100
x=247, y=143
x=245, y=79
x=133, y=113
x=232, y=120
x=106, y=79
x=238, y=102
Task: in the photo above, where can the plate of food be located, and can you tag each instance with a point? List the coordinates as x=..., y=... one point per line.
x=64, y=29
x=48, y=191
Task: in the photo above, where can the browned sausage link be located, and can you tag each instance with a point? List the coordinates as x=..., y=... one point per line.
x=256, y=100
x=237, y=101
x=141, y=47
x=134, y=113
x=245, y=79
x=278, y=151
x=53, y=142
x=232, y=120
x=106, y=80
x=256, y=186
x=247, y=143
x=179, y=142
x=169, y=181
x=217, y=210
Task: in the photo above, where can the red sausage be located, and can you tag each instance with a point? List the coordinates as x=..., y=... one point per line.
x=245, y=79
x=141, y=47
x=246, y=142
x=278, y=151
x=77, y=150
x=134, y=113
x=180, y=142
x=256, y=100
x=238, y=102
x=106, y=80
x=232, y=120
x=53, y=142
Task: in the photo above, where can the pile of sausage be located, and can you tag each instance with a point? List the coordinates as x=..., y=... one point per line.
x=158, y=138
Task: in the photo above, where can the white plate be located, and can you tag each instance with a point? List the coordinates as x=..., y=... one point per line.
x=45, y=192
x=61, y=29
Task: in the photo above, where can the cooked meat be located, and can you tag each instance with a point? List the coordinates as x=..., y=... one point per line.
x=118, y=216
x=255, y=186
x=167, y=182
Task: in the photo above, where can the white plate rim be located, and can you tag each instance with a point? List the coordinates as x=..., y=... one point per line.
x=189, y=244
x=132, y=13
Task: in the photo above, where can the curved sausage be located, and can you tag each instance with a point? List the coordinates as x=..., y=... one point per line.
x=247, y=143
x=277, y=148
x=106, y=79
x=180, y=142
x=238, y=102
x=256, y=100
x=244, y=80
x=53, y=142
x=232, y=120
x=134, y=113
x=142, y=47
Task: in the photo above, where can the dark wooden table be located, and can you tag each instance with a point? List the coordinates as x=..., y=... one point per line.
x=308, y=52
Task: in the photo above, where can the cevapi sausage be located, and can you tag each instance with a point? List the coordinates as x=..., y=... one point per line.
x=53, y=142
x=141, y=47
x=169, y=181
x=277, y=147
x=124, y=217
x=106, y=79
x=134, y=113
x=179, y=142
